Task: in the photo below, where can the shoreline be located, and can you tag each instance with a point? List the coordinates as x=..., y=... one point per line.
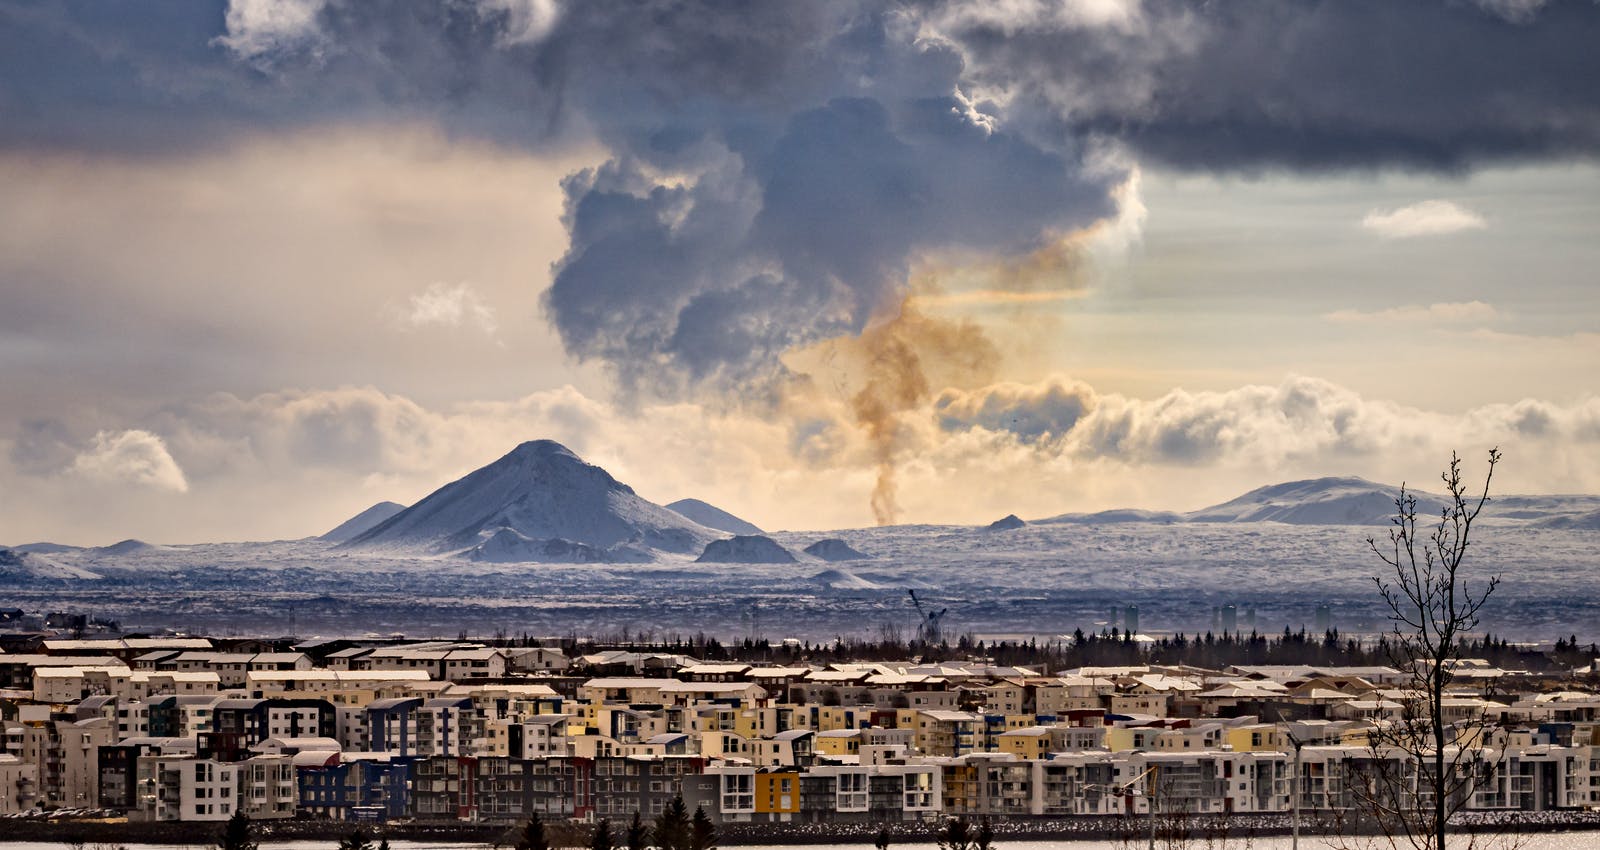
x=1092, y=828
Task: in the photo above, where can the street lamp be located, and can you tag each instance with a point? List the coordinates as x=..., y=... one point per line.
x=1127, y=788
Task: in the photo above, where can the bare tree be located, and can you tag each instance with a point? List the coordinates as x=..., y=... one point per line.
x=1423, y=769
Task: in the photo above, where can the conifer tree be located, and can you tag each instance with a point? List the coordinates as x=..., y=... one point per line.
x=638, y=836
x=702, y=832
x=532, y=837
x=237, y=833
x=672, y=826
x=358, y=840
x=601, y=840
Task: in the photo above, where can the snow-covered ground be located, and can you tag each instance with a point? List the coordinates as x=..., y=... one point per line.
x=541, y=542
x=1040, y=579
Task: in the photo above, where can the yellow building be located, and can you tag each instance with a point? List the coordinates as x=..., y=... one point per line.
x=839, y=742
x=1029, y=743
x=778, y=793
x=1260, y=737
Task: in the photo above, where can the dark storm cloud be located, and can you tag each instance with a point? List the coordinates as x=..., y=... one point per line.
x=776, y=168
x=1310, y=84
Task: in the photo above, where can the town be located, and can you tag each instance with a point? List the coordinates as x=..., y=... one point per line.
x=384, y=730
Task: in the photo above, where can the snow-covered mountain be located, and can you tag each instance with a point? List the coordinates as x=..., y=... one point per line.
x=1349, y=501
x=711, y=516
x=1318, y=501
x=363, y=522
x=541, y=491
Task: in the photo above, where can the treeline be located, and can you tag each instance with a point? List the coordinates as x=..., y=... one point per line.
x=1109, y=648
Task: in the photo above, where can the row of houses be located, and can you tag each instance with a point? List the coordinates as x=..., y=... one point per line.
x=450, y=729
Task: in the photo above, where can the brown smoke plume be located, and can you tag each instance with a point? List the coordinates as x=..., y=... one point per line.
x=901, y=354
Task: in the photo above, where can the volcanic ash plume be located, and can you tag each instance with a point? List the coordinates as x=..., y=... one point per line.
x=901, y=355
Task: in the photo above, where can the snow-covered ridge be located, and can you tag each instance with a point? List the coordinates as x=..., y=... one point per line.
x=362, y=522
x=711, y=516
x=1347, y=501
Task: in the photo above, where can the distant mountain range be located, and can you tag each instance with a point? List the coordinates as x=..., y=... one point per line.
x=1350, y=501
x=541, y=503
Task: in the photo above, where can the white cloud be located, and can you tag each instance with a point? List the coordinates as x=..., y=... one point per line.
x=1444, y=312
x=131, y=457
x=448, y=305
x=295, y=462
x=1515, y=11
x=1012, y=16
x=526, y=21
x=1427, y=218
x=257, y=29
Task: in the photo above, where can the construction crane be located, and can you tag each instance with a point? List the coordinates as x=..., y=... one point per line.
x=930, y=631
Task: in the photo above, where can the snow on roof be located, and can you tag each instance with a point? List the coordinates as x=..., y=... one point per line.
x=704, y=669
x=78, y=672
x=778, y=672
x=167, y=643
x=521, y=690
x=64, y=661
x=483, y=654
x=837, y=675
x=676, y=687
x=946, y=715
x=353, y=676
x=621, y=682
x=310, y=742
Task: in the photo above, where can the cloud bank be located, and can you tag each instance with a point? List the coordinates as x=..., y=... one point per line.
x=134, y=457
x=1444, y=312
x=1427, y=218
x=286, y=464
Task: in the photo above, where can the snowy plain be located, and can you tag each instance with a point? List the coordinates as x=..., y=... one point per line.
x=1038, y=580
x=541, y=543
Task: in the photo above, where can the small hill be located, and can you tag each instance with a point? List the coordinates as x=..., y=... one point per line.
x=542, y=491
x=1006, y=523
x=123, y=548
x=18, y=566
x=1112, y=517
x=712, y=516
x=834, y=549
x=840, y=580
x=1317, y=501
x=45, y=548
x=745, y=549
x=1572, y=522
x=508, y=547
x=362, y=522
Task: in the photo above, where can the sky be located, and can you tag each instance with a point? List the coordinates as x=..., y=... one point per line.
x=825, y=265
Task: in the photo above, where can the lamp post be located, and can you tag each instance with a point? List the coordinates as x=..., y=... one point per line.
x=1148, y=793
